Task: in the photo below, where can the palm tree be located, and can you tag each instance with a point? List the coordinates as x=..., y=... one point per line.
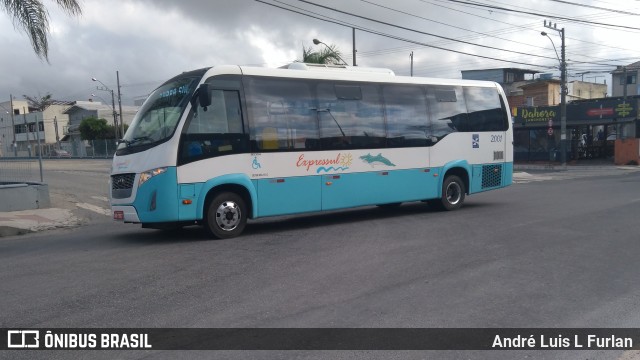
x=329, y=55
x=39, y=103
x=32, y=17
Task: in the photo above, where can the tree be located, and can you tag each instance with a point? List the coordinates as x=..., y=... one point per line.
x=96, y=129
x=32, y=17
x=329, y=55
x=39, y=103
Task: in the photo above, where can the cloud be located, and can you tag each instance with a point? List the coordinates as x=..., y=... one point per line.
x=151, y=41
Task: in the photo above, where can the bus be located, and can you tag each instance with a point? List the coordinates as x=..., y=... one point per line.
x=221, y=145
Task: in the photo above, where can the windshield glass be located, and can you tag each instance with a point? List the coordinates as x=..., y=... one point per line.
x=157, y=119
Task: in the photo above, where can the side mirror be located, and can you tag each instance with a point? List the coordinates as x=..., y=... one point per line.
x=202, y=96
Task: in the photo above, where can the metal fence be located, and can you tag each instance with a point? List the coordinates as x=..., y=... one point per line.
x=80, y=149
x=19, y=171
x=22, y=163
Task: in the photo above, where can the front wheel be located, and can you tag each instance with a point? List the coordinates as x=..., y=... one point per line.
x=453, y=191
x=226, y=216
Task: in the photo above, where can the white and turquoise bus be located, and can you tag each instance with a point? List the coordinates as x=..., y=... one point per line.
x=221, y=145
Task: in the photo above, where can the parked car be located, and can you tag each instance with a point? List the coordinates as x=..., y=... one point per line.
x=60, y=154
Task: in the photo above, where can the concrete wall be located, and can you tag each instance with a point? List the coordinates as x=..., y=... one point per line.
x=16, y=197
x=627, y=151
x=585, y=90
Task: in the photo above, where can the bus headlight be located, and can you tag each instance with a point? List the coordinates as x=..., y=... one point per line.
x=149, y=174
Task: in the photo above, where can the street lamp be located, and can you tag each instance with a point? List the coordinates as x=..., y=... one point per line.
x=100, y=97
x=113, y=104
x=318, y=42
x=563, y=92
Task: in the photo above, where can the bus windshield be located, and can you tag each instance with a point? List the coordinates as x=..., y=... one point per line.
x=157, y=119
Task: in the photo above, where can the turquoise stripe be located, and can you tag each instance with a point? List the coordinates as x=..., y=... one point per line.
x=293, y=195
x=157, y=199
x=380, y=187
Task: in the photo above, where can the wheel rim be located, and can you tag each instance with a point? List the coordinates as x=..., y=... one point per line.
x=454, y=193
x=228, y=216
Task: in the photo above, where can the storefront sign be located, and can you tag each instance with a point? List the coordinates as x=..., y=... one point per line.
x=536, y=116
x=601, y=111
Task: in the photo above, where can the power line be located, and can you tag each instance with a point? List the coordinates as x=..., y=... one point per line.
x=395, y=37
x=449, y=25
x=439, y=36
x=538, y=14
x=421, y=32
x=528, y=28
x=596, y=7
x=456, y=27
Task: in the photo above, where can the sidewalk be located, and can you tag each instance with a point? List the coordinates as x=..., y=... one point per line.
x=28, y=221
x=590, y=164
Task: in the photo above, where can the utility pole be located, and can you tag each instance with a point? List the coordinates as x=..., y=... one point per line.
x=13, y=124
x=26, y=126
x=626, y=83
x=120, y=105
x=113, y=104
x=563, y=92
x=354, y=47
x=411, y=56
x=55, y=125
x=39, y=145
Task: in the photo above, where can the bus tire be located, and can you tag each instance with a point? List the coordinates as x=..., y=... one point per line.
x=226, y=216
x=453, y=192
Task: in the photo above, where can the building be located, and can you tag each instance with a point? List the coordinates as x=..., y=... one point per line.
x=49, y=124
x=509, y=78
x=9, y=113
x=594, y=121
x=624, y=80
x=546, y=92
x=523, y=88
x=81, y=110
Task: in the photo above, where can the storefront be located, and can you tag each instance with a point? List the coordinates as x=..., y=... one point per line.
x=592, y=128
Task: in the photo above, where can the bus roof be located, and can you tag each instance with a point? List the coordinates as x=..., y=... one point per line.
x=341, y=72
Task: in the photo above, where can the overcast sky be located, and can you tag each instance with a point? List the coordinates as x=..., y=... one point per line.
x=150, y=41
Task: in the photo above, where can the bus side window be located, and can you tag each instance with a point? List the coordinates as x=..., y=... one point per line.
x=485, y=109
x=282, y=114
x=350, y=116
x=447, y=109
x=217, y=131
x=407, y=118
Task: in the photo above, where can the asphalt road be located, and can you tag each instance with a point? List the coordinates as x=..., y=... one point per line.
x=538, y=254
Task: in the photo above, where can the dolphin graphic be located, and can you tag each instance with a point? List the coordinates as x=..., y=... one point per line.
x=370, y=159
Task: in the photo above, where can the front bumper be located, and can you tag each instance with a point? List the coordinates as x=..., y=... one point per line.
x=130, y=215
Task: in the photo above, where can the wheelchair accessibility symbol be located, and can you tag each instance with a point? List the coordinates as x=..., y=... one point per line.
x=256, y=164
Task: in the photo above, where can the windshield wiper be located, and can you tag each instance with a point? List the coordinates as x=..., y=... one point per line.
x=134, y=140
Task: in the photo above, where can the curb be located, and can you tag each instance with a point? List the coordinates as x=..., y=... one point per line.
x=31, y=221
x=6, y=231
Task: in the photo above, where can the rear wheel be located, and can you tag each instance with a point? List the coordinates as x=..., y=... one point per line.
x=453, y=192
x=226, y=216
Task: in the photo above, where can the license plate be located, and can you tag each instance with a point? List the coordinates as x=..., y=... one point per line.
x=118, y=215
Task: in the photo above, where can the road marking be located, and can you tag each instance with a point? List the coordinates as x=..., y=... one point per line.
x=101, y=198
x=524, y=177
x=94, y=208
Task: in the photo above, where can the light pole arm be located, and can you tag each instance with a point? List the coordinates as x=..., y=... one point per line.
x=318, y=42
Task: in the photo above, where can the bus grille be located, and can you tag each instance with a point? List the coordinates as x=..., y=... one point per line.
x=491, y=176
x=121, y=185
